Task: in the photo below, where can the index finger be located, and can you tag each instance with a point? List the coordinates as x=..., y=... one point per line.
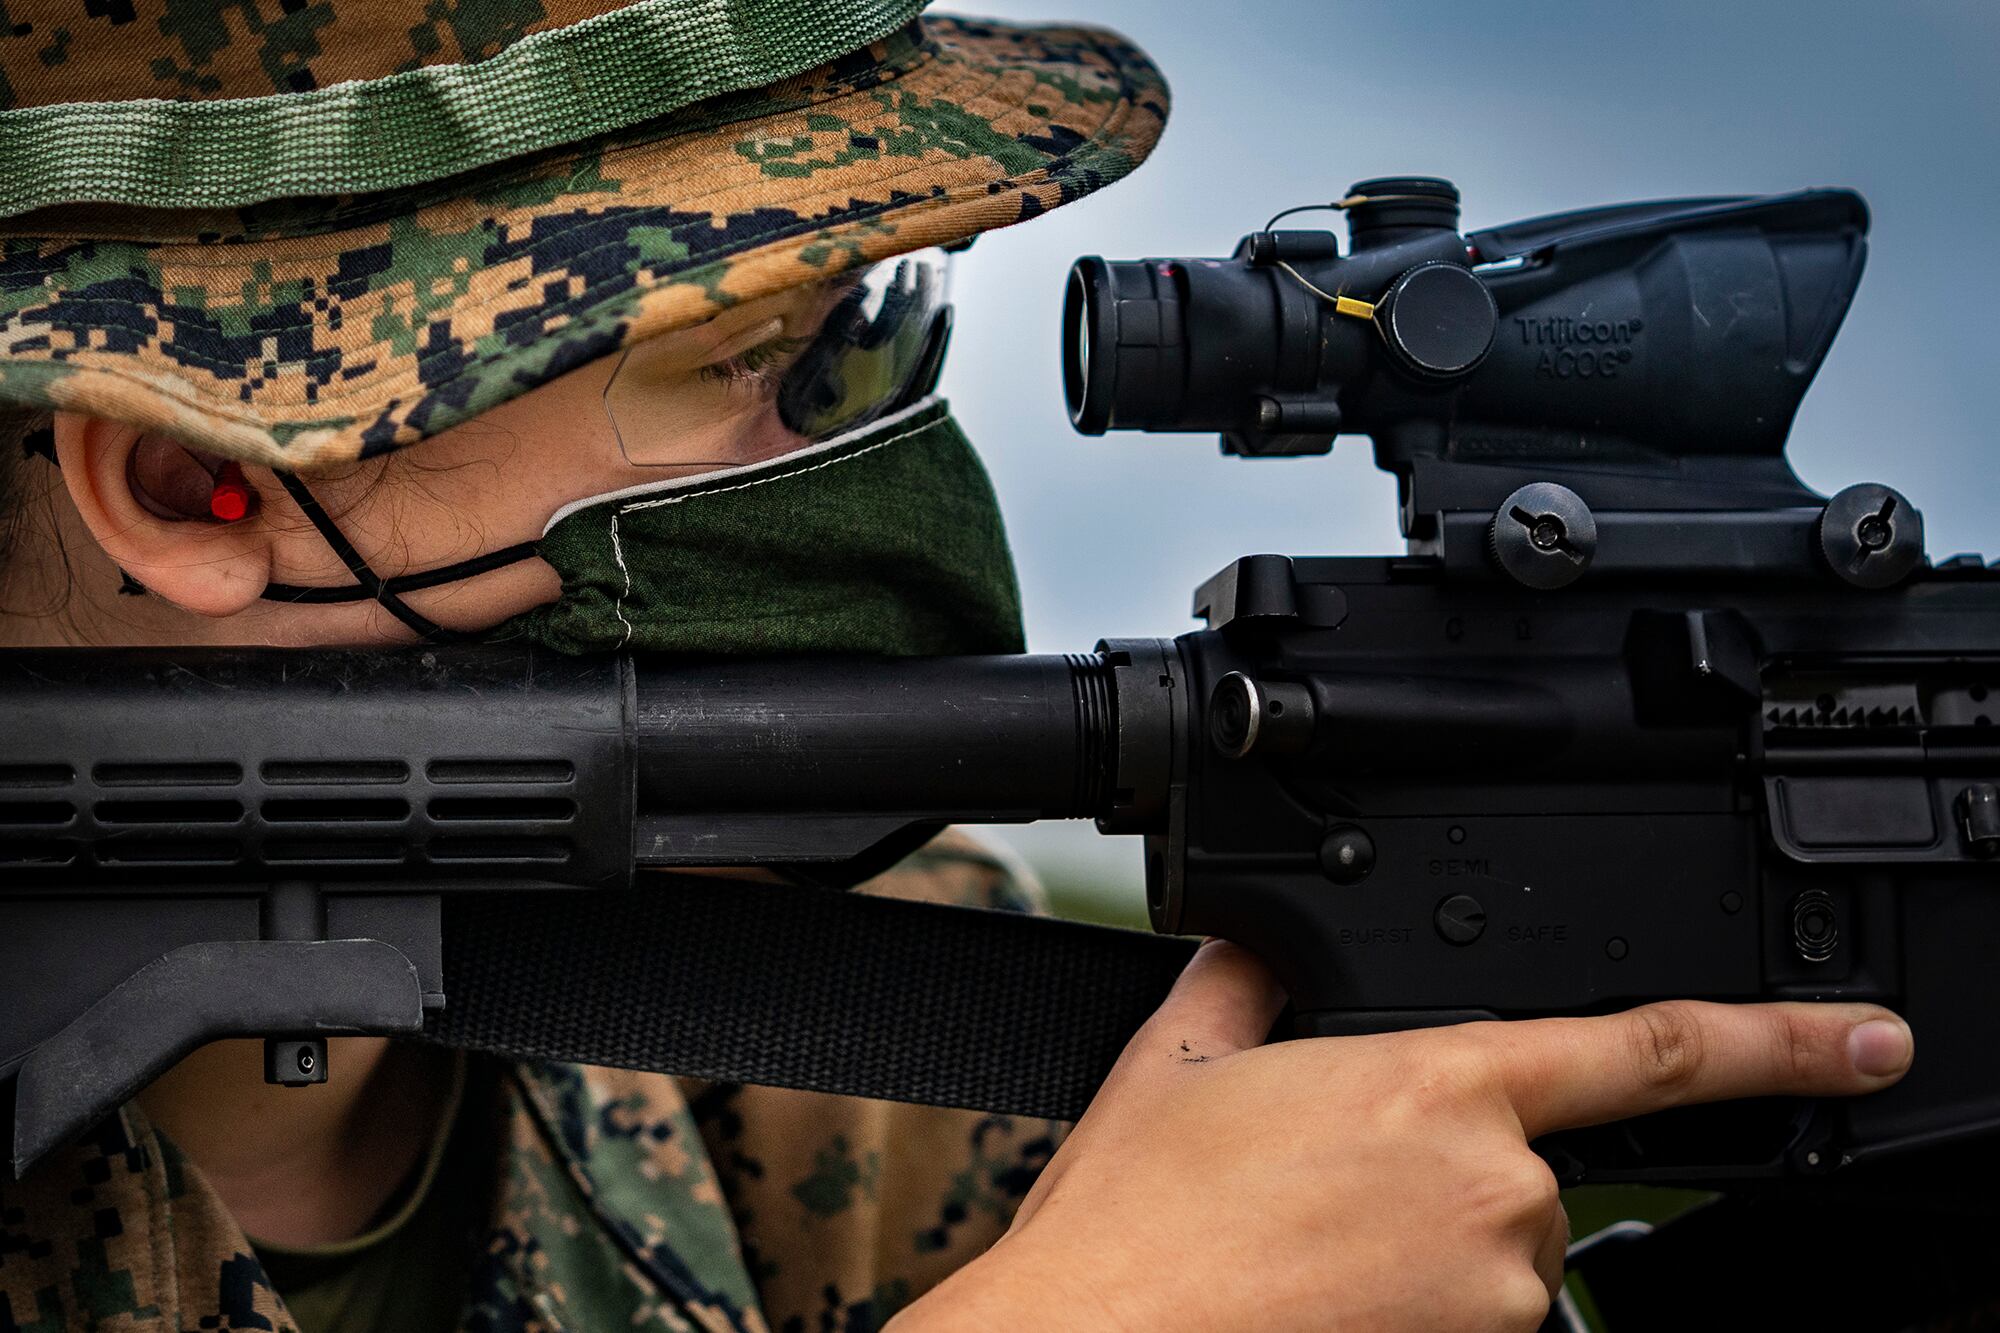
x=1565, y=1073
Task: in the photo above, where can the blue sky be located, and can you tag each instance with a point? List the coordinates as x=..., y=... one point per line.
x=1532, y=108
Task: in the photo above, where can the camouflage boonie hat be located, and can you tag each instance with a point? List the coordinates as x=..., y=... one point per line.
x=301, y=232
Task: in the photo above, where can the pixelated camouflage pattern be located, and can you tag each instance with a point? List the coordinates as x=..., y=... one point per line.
x=847, y=1210
x=621, y=1201
x=194, y=50
x=120, y=1232
x=305, y=334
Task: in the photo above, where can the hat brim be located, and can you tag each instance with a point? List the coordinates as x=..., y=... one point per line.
x=306, y=335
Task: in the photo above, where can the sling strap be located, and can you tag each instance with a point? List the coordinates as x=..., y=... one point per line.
x=803, y=988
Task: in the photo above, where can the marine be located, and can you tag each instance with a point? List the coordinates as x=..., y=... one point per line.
x=619, y=326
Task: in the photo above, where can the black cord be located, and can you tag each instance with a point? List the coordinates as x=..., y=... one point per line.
x=367, y=585
x=1301, y=208
x=1352, y=201
x=370, y=584
x=307, y=595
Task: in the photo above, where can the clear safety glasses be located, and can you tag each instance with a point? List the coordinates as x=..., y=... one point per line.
x=770, y=377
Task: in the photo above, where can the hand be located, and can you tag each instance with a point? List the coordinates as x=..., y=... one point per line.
x=1380, y=1182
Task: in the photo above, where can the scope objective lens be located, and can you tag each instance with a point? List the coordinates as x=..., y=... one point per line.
x=1087, y=388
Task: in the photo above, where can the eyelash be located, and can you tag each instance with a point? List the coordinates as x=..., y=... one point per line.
x=762, y=362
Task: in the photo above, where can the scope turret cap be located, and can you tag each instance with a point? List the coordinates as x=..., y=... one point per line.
x=300, y=232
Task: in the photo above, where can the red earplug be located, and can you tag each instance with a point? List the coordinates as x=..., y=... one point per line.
x=230, y=500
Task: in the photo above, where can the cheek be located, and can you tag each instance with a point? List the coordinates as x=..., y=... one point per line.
x=664, y=438
x=763, y=436
x=484, y=601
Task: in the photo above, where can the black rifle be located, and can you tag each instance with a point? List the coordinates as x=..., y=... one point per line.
x=1636, y=716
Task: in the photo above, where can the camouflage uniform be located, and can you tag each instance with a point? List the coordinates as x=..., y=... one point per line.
x=621, y=1200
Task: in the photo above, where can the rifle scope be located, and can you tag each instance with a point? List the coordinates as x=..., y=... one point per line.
x=1646, y=330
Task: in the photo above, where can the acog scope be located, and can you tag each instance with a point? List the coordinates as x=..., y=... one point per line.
x=1636, y=334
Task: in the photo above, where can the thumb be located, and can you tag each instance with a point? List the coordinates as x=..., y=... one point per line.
x=1225, y=1001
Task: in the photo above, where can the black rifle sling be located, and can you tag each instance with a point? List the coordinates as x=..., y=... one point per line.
x=803, y=988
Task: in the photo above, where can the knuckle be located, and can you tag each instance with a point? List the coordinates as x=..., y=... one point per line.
x=1667, y=1047
x=1516, y=1192
x=1520, y=1299
x=1538, y=1184
x=1799, y=1050
x=1534, y=1187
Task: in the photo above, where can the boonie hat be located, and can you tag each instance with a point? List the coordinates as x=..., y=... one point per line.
x=303, y=232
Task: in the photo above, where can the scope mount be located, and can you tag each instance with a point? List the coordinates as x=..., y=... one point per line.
x=1542, y=505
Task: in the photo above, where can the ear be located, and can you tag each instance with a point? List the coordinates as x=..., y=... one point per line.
x=135, y=491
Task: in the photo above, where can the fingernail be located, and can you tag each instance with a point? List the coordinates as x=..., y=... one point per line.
x=1878, y=1047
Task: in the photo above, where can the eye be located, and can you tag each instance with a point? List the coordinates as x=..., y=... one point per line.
x=763, y=363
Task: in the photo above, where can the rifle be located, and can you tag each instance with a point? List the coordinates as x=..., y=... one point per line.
x=1637, y=715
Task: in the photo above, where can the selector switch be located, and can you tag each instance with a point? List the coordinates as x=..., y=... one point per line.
x=1460, y=919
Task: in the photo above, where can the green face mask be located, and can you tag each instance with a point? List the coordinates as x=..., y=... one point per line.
x=888, y=542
